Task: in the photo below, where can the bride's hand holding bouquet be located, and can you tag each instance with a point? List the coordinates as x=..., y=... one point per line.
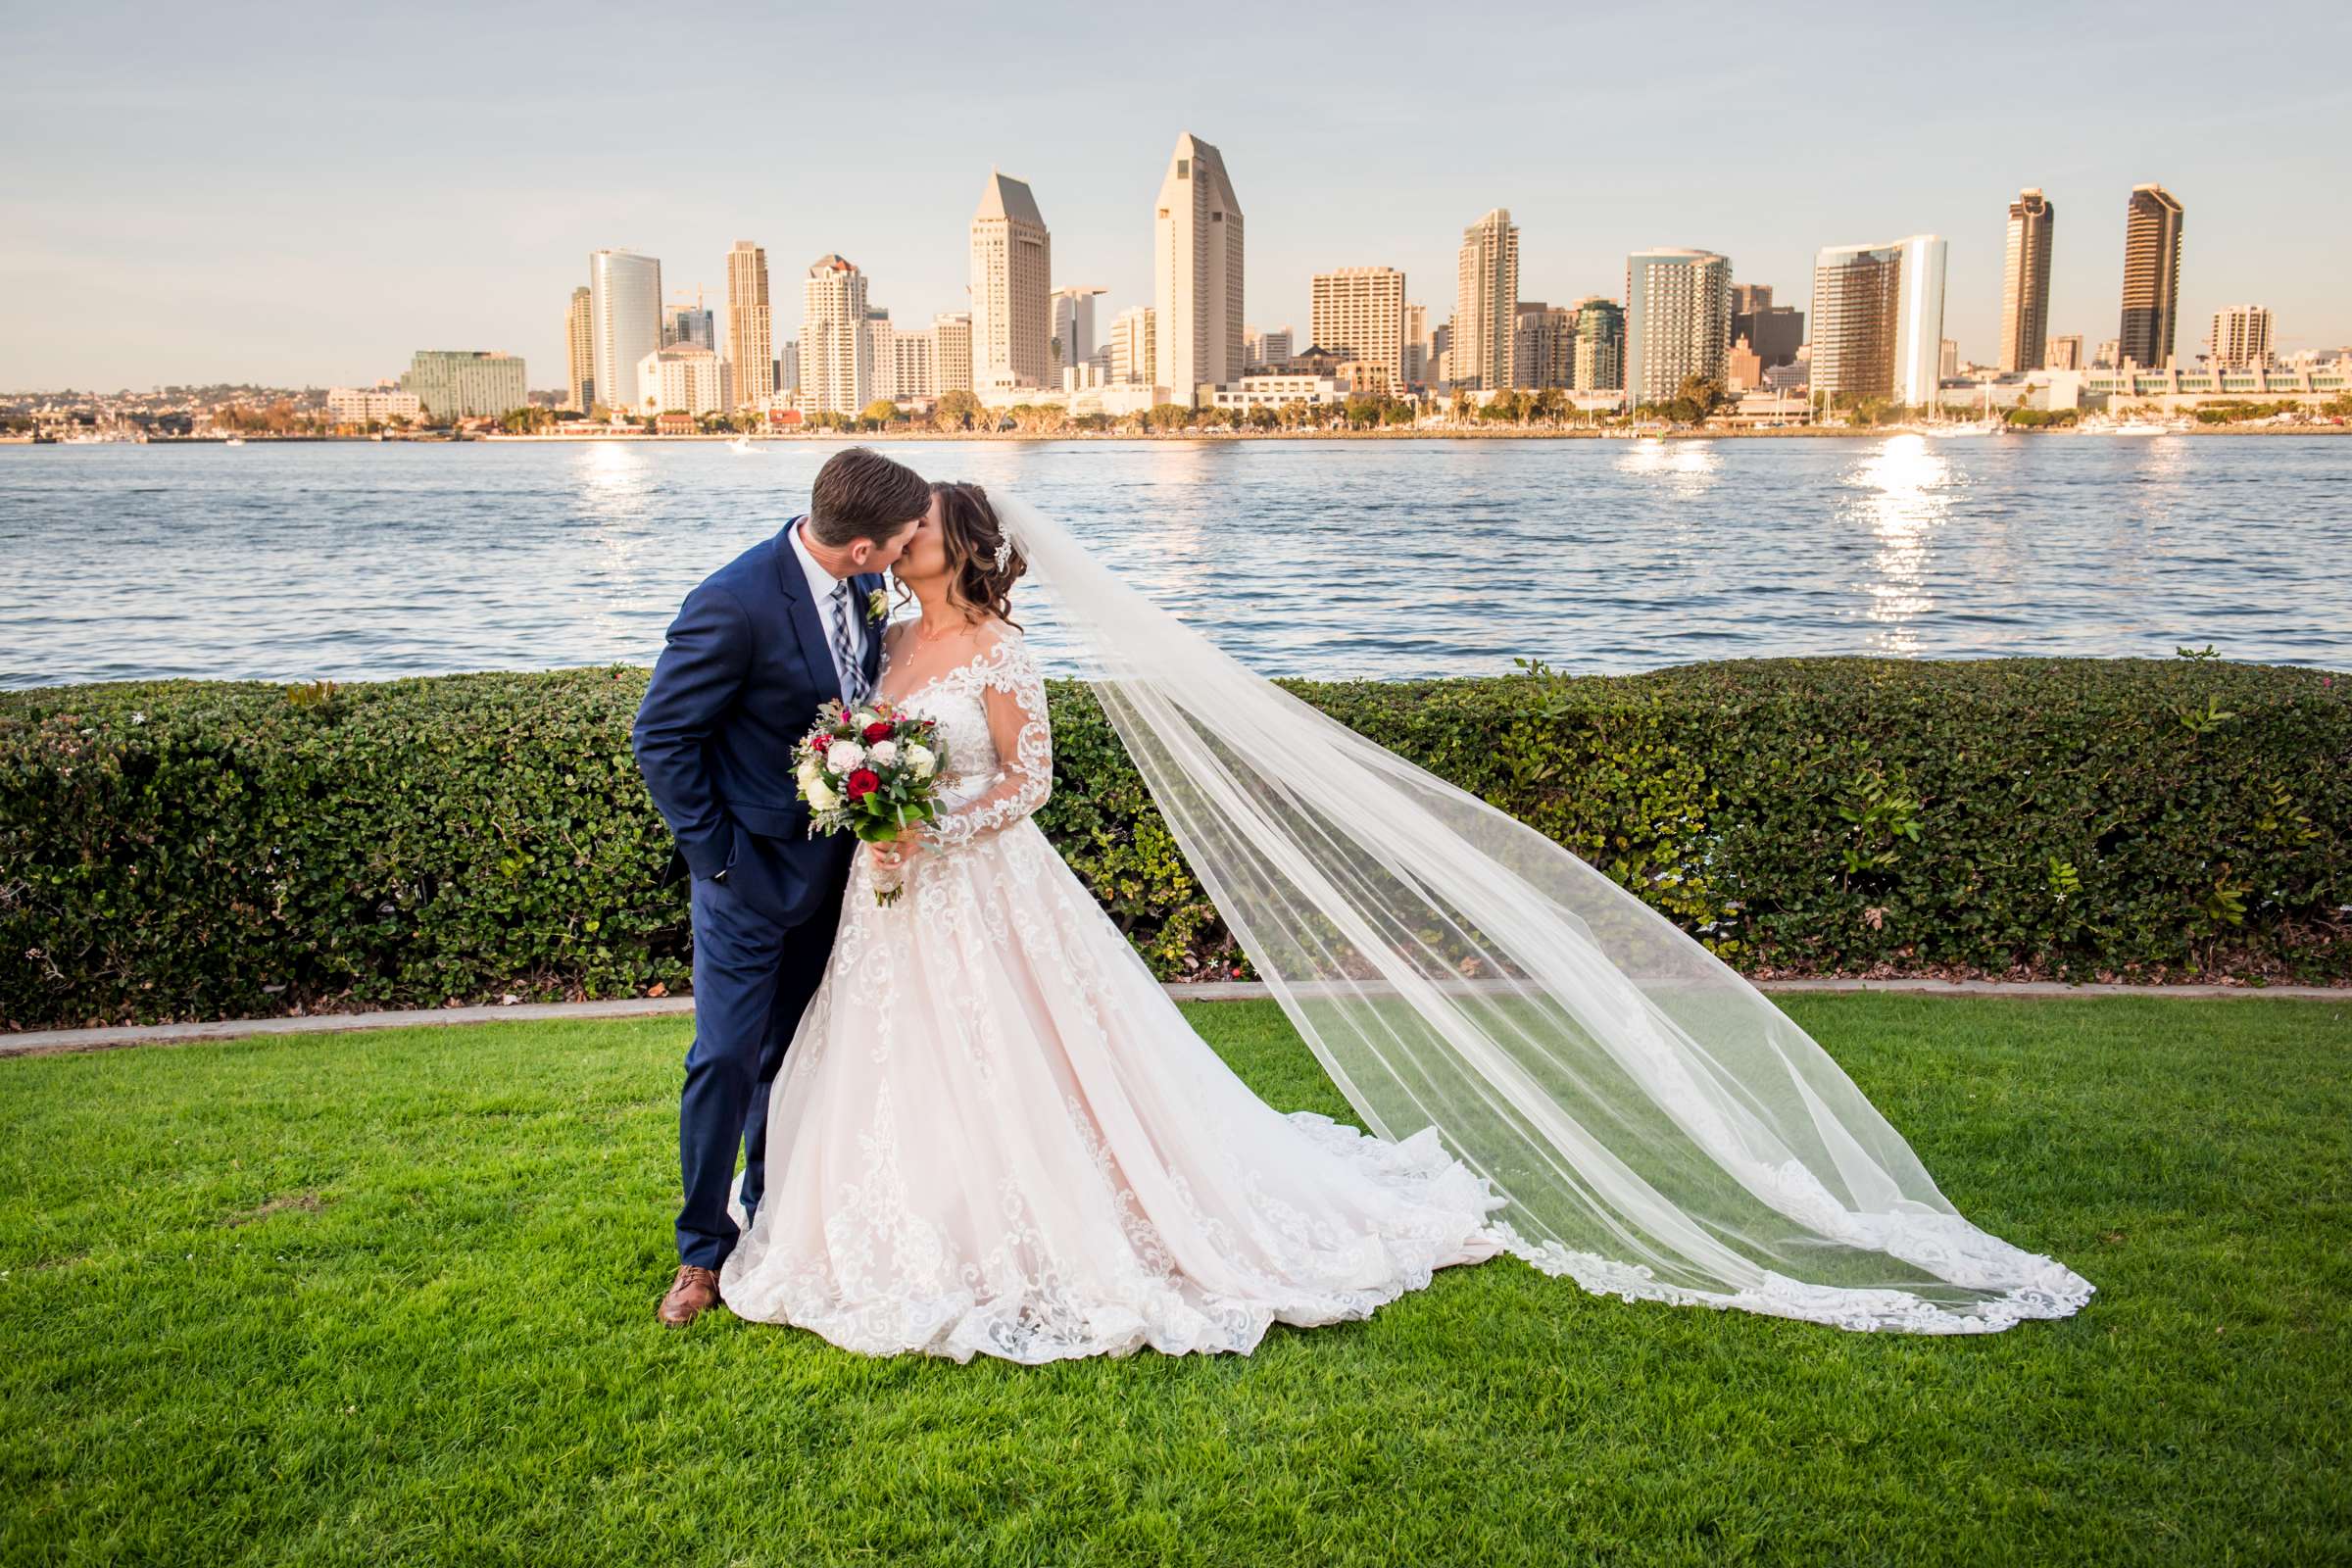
x=872, y=770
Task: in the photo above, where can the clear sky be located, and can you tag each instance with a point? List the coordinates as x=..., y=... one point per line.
x=305, y=194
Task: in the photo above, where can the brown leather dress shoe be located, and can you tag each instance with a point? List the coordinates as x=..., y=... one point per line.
x=692, y=1293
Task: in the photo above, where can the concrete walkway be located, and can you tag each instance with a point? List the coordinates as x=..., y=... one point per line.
x=50, y=1042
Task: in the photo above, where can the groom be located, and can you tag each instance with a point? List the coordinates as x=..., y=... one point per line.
x=756, y=650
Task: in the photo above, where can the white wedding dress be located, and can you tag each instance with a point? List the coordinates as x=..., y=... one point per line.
x=993, y=1133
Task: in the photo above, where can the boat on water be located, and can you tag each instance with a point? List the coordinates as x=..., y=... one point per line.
x=743, y=444
x=234, y=441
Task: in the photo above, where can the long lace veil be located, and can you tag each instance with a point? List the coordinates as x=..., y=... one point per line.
x=1660, y=1131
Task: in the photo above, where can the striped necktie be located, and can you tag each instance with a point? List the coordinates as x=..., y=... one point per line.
x=846, y=652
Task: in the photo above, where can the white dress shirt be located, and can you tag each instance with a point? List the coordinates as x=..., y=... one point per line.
x=821, y=584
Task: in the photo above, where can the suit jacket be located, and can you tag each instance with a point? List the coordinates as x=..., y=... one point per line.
x=742, y=672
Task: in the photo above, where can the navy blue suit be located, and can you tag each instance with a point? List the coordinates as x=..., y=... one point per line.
x=742, y=673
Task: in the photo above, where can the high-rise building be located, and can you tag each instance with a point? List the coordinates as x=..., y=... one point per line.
x=2241, y=338
x=683, y=378
x=1416, y=345
x=1677, y=321
x=2026, y=282
x=1775, y=333
x=1947, y=362
x=955, y=352
x=580, y=346
x=881, y=355
x=1600, y=344
x=1072, y=322
x=2151, y=278
x=1197, y=252
x=1133, y=347
x=691, y=323
x=788, y=368
x=1441, y=354
x=1273, y=347
x=750, y=326
x=1485, y=302
x=1878, y=319
x=1012, y=263
x=914, y=363
x=1358, y=315
x=625, y=308
x=2108, y=355
x=2063, y=353
x=1543, y=345
x=466, y=383
x=837, y=373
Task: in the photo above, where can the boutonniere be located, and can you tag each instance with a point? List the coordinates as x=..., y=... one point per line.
x=877, y=606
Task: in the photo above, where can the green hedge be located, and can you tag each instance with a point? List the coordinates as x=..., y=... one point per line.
x=204, y=850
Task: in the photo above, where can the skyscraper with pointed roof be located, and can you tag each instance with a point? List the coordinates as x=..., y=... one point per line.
x=1013, y=262
x=1197, y=272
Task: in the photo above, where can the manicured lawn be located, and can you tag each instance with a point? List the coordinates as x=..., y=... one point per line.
x=388, y=1299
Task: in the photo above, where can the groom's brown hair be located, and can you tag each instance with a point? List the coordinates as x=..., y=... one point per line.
x=860, y=494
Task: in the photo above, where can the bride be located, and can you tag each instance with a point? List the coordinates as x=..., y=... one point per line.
x=993, y=1133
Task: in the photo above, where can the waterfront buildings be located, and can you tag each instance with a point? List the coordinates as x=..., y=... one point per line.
x=879, y=345
x=915, y=364
x=1677, y=321
x=1196, y=256
x=682, y=378
x=580, y=346
x=466, y=383
x=2241, y=338
x=691, y=323
x=1358, y=313
x=2026, y=282
x=750, y=326
x=837, y=373
x=1133, y=347
x=1485, y=303
x=1274, y=390
x=1878, y=319
x=1542, y=345
x=788, y=369
x=1775, y=333
x=372, y=404
x=953, y=331
x=1071, y=340
x=2151, y=278
x=2063, y=353
x=1012, y=265
x=1268, y=349
x=624, y=310
x=1416, y=345
x=1600, y=345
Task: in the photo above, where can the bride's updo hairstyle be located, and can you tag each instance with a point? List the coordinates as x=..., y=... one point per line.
x=982, y=565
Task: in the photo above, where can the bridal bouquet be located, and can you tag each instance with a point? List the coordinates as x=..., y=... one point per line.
x=870, y=770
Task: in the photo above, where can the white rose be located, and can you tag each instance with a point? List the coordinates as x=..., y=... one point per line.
x=882, y=752
x=920, y=758
x=821, y=796
x=811, y=769
x=863, y=717
x=842, y=755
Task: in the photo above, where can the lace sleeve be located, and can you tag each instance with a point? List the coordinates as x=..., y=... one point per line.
x=1013, y=694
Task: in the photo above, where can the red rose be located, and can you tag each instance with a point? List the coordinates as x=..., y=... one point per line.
x=863, y=782
x=876, y=732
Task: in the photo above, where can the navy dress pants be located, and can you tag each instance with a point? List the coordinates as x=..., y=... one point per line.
x=753, y=977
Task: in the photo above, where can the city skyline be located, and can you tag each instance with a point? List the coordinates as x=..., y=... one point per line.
x=181, y=237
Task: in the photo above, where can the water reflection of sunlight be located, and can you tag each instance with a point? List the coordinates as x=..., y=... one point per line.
x=1906, y=481
x=1688, y=466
